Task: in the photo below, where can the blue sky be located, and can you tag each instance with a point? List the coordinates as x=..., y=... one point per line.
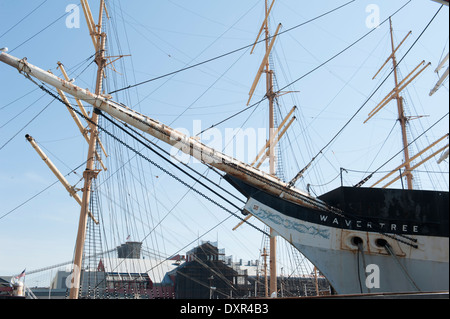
x=165, y=36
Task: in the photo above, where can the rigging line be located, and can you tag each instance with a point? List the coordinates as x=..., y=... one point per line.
x=380, y=85
x=147, y=207
x=326, y=183
x=184, y=164
x=230, y=52
x=42, y=30
x=382, y=146
x=206, y=18
x=211, y=86
x=18, y=114
x=399, y=152
x=37, y=194
x=220, y=275
x=31, y=198
x=234, y=115
x=198, y=55
x=313, y=70
x=313, y=201
x=169, y=212
x=364, y=172
x=178, y=179
x=345, y=49
x=131, y=57
x=23, y=18
x=432, y=172
x=152, y=162
x=346, y=82
x=385, y=172
x=166, y=208
x=359, y=268
x=29, y=122
x=35, y=271
x=54, y=156
x=79, y=64
x=196, y=239
x=76, y=76
x=5, y=106
x=170, y=162
x=177, y=252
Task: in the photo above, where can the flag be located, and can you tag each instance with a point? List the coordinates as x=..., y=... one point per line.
x=22, y=274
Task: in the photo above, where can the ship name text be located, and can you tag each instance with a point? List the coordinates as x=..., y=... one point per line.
x=369, y=225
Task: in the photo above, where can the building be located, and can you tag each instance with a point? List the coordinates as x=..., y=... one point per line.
x=289, y=285
x=139, y=278
x=205, y=275
x=130, y=276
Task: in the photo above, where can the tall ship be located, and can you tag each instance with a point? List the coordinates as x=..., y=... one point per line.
x=363, y=239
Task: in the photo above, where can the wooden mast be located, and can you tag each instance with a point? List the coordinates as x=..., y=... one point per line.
x=90, y=173
x=266, y=286
x=273, y=134
x=395, y=94
x=272, y=171
x=401, y=115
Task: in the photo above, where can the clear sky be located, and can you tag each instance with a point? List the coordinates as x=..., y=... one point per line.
x=38, y=224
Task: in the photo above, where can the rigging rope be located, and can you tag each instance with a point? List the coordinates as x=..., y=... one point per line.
x=371, y=174
x=380, y=85
x=21, y=20
x=303, y=76
x=203, y=195
x=28, y=123
x=42, y=30
x=152, y=162
x=184, y=164
x=174, y=176
x=231, y=52
x=311, y=201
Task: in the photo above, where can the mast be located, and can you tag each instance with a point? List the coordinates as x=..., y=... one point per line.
x=395, y=94
x=189, y=145
x=273, y=135
x=271, y=98
x=401, y=114
x=90, y=173
x=266, y=286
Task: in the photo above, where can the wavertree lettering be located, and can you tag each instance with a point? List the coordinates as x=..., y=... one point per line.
x=368, y=225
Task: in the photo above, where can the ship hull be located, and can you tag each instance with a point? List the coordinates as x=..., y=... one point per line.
x=350, y=249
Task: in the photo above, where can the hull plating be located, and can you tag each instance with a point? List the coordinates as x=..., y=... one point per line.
x=414, y=224
x=334, y=252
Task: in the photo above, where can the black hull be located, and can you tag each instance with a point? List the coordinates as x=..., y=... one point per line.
x=393, y=211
